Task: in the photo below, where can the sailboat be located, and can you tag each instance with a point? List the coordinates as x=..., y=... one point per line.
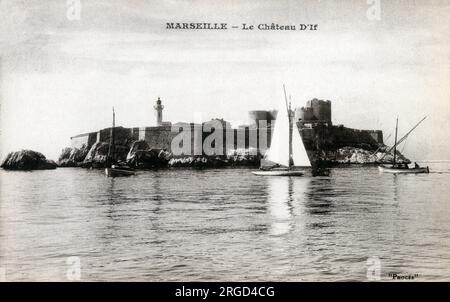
x=402, y=168
x=112, y=168
x=286, y=150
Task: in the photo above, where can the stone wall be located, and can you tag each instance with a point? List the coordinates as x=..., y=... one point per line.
x=317, y=138
x=159, y=137
x=322, y=137
x=86, y=139
x=123, y=136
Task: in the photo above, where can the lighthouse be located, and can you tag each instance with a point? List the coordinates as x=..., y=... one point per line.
x=159, y=108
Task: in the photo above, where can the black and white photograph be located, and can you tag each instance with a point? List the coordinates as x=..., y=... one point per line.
x=224, y=141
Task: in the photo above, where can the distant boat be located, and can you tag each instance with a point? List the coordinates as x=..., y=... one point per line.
x=113, y=169
x=397, y=170
x=287, y=150
x=117, y=171
x=401, y=168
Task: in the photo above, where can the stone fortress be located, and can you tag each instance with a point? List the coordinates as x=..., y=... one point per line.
x=321, y=138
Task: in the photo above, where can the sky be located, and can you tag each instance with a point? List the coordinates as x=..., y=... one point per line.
x=59, y=77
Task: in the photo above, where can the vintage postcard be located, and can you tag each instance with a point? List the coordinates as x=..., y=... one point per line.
x=221, y=141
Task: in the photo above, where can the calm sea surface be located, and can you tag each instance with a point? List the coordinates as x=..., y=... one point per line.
x=224, y=225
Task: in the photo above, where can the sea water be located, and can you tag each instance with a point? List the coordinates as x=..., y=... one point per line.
x=224, y=225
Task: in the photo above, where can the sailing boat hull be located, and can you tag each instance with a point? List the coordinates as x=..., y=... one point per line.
x=384, y=169
x=278, y=173
x=117, y=172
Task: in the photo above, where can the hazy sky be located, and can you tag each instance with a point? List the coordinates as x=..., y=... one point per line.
x=60, y=77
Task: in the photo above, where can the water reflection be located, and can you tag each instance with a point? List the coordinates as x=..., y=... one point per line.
x=223, y=225
x=395, y=186
x=285, y=196
x=158, y=193
x=319, y=198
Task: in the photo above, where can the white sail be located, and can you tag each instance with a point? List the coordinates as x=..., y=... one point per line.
x=299, y=155
x=279, y=145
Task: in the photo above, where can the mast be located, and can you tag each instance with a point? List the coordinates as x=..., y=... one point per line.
x=113, y=139
x=404, y=137
x=395, y=145
x=111, y=149
x=288, y=108
x=409, y=132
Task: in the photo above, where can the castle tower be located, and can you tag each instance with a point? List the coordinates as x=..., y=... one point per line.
x=159, y=108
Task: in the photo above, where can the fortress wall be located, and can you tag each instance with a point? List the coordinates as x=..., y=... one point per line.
x=264, y=139
x=79, y=140
x=308, y=137
x=93, y=137
x=341, y=137
x=87, y=139
x=123, y=136
x=377, y=135
x=304, y=114
x=135, y=133
x=253, y=139
x=314, y=111
x=323, y=110
x=255, y=116
x=217, y=140
x=159, y=137
x=319, y=137
x=191, y=134
x=241, y=138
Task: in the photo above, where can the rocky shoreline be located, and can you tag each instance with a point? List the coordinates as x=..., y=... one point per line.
x=357, y=156
x=140, y=156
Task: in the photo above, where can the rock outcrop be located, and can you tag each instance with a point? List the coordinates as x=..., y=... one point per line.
x=198, y=162
x=239, y=157
x=352, y=155
x=27, y=160
x=98, y=154
x=142, y=156
x=243, y=157
x=73, y=157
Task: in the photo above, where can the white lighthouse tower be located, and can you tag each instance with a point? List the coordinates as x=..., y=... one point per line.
x=159, y=108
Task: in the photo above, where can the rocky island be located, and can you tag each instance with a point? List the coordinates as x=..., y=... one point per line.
x=215, y=144
x=27, y=160
x=168, y=145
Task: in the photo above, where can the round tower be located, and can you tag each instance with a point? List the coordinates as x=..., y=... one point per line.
x=159, y=108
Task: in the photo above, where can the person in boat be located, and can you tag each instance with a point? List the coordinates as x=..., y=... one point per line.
x=267, y=168
x=416, y=165
x=400, y=166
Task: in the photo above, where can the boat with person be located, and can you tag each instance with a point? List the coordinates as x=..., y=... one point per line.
x=287, y=153
x=116, y=171
x=113, y=167
x=402, y=168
